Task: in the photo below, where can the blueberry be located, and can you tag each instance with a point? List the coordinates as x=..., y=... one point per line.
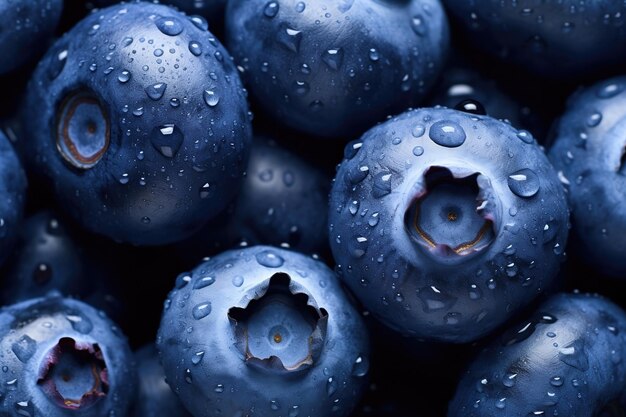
x=263, y=331
x=154, y=396
x=283, y=201
x=26, y=29
x=12, y=195
x=566, y=360
x=460, y=86
x=555, y=38
x=49, y=256
x=142, y=125
x=60, y=355
x=330, y=68
x=45, y=258
x=589, y=154
x=445, y=223
x=210, y=9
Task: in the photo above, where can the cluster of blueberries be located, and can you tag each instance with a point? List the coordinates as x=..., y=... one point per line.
x=373, y=201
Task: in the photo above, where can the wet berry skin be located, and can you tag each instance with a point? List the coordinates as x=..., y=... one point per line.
x=142, y=126
x=445, y=223
x=62, y=356
x=49, y=256
x=588, y=150
x=210, y=9
x=154, y=396
x=566, y=359
x=27, y=26
x=331, y=69
x=283, y=201
x=263, y=331
x=461, y=85
x=12, y=196
x=553, y=38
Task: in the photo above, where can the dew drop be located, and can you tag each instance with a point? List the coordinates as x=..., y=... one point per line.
x=201, y=310
x=301, y=87
x=25, y=409
x=289, y=38
x=57, y=65
x=167, y=139
x=419, y=25
x=195, y=48
x=156, y=91
x=124, y=76
x=358, y=174
x=205, y=190
x=382, y=184
x=169, y=26
x=271, y=9
x=556, y=381
x=79, y=322
x=24, y=348
x=610, y=90
x=199, y=22
x=182, y=280
x=509, y=379
x=525, y=136
x=447, y=133
x=203, y=282
x=331, y=386
x=524, y=183
x=269, y=259
x=418, y=131
x=211, y=98
x=575, y=355
x=197, y=357
x=501, y=403
x=333, y=58
x=594, y=119
x=418, y=151
x=434, y=300
x=360, y=367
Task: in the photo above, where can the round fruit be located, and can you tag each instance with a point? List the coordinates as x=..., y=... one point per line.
x=445, y=223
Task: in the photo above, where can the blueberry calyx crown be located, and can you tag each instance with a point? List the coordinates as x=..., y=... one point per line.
x=453, y=217
x=281, y=329
x=74, y=374
x=83, y=130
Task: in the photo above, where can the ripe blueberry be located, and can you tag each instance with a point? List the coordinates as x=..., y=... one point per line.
x=588, y=152
x=142, y=125
x=566, y=360
x=50, y=256
x=60, y=355
x=209, y=9
x=26, y=29
x=12, y=196
x=445, y=223
x=263, y=331
x=283, y=201
x=330, y=68
x=460, y=85
x=555, y=38
x=154, y=396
